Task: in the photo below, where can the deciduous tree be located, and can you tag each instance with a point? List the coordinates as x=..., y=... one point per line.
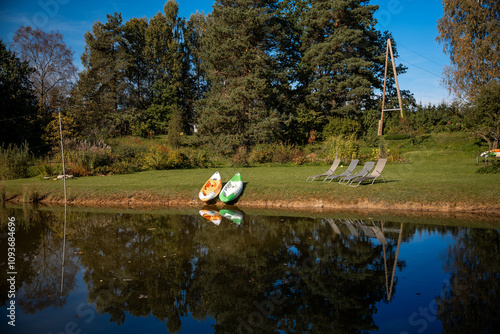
x=469, y=31
x=484, y=116
x=52, y=61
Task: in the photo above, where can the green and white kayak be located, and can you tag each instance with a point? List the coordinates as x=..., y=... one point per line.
x=232, y=189
x=233, y=215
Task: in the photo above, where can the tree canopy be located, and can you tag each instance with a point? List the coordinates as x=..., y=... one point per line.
x=249, y=72
x=469, y=30
x=18, y=102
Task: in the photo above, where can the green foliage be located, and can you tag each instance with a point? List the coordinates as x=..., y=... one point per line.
x=237, y=110
x=3, y=194
x=85, y=158
x=161, y=157
x=175, y=130
x=240, y=158
x=341, y=49
x=261, y=153
x=437, y=118
x=394, y=155
x=469, y=31
x=396, y=137
x=342, y=147
x=197, y=158
x=31, y=194
x=15, y=161
x=492, y=168
x=484, y=118
x=18, y=104
x=127, y=148
x=342, y=126
x=279, y=152
x=43, y=168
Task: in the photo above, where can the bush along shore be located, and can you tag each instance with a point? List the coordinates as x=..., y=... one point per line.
x=440, y=173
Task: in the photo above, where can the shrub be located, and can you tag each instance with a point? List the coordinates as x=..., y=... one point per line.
x=299, y=160
x=124, y=167
x=3, y=195
x=129, y=148
x=274, y=152
x=342, y=148
x=15, y=161
x=492, y=168
x=261, y=153
x=240, y=158
x=396, y=157
x=284, y=152
x=44, y=168
x=195, y=157
x=342, y=127
x=161, y=157
x=155, y=158
x=397, y=137
x=86, y=158
x=31, y=194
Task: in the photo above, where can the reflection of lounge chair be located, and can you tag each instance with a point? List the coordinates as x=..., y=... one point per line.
x=365, y=170
x=334, y=226
x=373, y=175
x=351, y=228
x=379, y=234
x=328, y=172
x=347, y=172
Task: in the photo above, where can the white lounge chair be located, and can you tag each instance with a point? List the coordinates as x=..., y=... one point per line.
x=348, y=171
x=329, y=172
x=373, y=175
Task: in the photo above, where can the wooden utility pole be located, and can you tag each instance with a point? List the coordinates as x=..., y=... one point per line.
x=381, y=122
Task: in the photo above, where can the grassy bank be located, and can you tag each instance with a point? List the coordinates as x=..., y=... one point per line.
x=435, y=180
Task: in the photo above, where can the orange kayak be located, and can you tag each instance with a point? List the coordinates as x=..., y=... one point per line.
x=211, y=188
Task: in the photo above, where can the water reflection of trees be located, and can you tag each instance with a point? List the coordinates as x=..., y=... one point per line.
x=470, y=302
x=269, y=274
x=39, y=257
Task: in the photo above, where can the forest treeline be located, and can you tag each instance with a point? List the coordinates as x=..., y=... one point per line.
x=249, y=73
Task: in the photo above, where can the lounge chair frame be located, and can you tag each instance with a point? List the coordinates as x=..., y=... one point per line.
x=377, y=172
x=330, y=171
x=350, y=169
x=363, y=172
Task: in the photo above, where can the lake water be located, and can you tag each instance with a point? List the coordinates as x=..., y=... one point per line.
x=186, y=271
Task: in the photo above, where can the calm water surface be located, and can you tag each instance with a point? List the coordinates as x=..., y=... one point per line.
x=229, y=272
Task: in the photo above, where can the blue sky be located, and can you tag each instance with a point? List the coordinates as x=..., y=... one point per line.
x=412, y=23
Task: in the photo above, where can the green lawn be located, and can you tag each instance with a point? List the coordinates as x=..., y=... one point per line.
x=434, y=179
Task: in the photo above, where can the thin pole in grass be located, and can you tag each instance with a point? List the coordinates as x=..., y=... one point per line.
x=65, y=202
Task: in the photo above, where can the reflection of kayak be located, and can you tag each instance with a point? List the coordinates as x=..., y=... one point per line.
x=211, y=188
x=232, y=189
x=235, y=216
x=213, y=215
x=492, y=153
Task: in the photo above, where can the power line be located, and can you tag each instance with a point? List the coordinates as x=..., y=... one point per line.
x=423, y=69
x=429, y=59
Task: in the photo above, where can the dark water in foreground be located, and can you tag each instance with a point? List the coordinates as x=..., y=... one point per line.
x=182, y=273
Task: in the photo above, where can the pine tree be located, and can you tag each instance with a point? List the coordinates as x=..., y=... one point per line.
x=102, y=87
x=166, y=56
x=340, y=48
x=236, y=111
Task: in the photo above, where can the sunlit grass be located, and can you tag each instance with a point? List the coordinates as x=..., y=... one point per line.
x=434, y=178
